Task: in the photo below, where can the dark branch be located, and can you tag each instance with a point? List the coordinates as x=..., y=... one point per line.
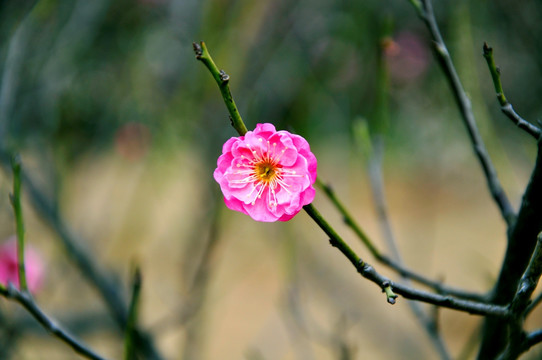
x=368, y=272
x=463, y=102
x=399, y=268
x=522, y=239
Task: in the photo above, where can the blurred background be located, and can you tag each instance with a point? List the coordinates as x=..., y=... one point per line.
x=119, y=128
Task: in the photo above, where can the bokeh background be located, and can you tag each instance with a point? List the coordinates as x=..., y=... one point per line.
x=119, y=127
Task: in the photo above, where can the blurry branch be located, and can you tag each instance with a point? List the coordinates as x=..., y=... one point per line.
x=23, y=296
x=25, y=299
x=425, y=11
x=197, y=289
x=533, y=338
x=373, y=144
x=390, y=288
x=299, y=322
x=130, y=332
x=76, y=34
x=400, y=269
x=82, y=322
x=222, y=79
x=48, y=211
x=10, y=334
x=107, y=288
x=506, y=107
x=12, y=68
x=15, y=198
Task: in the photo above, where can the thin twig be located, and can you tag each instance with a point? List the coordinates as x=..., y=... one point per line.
x=25, y=299
x=102, y=281
x=401, y=270
x=13, y=67
x=429, y=322
x=222, y=79
x=390, y=288
x=199, y=284
x=425, y=11
x=506, y=107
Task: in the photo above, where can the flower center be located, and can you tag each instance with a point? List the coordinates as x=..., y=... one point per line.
x=265, y=171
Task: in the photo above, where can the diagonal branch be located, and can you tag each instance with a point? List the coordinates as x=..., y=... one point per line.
x=399, y=268
x=506, y=107
x=25, y=300
x=102, y=281
x=425, y=11
x=222, y=79
x=390, y=288
x=428, y=321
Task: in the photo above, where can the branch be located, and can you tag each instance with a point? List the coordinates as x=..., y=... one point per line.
x=506, y=107
x=533, y=338
x=390, y=288
x=25, y=299
x=102, y=281
x=522, y=240
x=425, y=11
x=517, y=343
x=529, y=281
x=400, y=269
x=375, y=146
x=222, y=80
x=363, y=268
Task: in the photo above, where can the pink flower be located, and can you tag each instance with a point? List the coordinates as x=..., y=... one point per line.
x=8, y=265
x=267, y=174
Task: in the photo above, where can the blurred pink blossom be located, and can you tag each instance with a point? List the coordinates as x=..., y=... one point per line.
x=132, y=140
x=8, y=265
x=267, y=174
x=407, y=56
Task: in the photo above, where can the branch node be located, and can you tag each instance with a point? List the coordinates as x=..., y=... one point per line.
x=390, y=295
x=361, y=266
x=224, y=77
x=198, y=50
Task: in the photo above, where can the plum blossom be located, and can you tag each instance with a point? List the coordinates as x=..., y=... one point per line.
x=267, y=174
x=34, y=266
